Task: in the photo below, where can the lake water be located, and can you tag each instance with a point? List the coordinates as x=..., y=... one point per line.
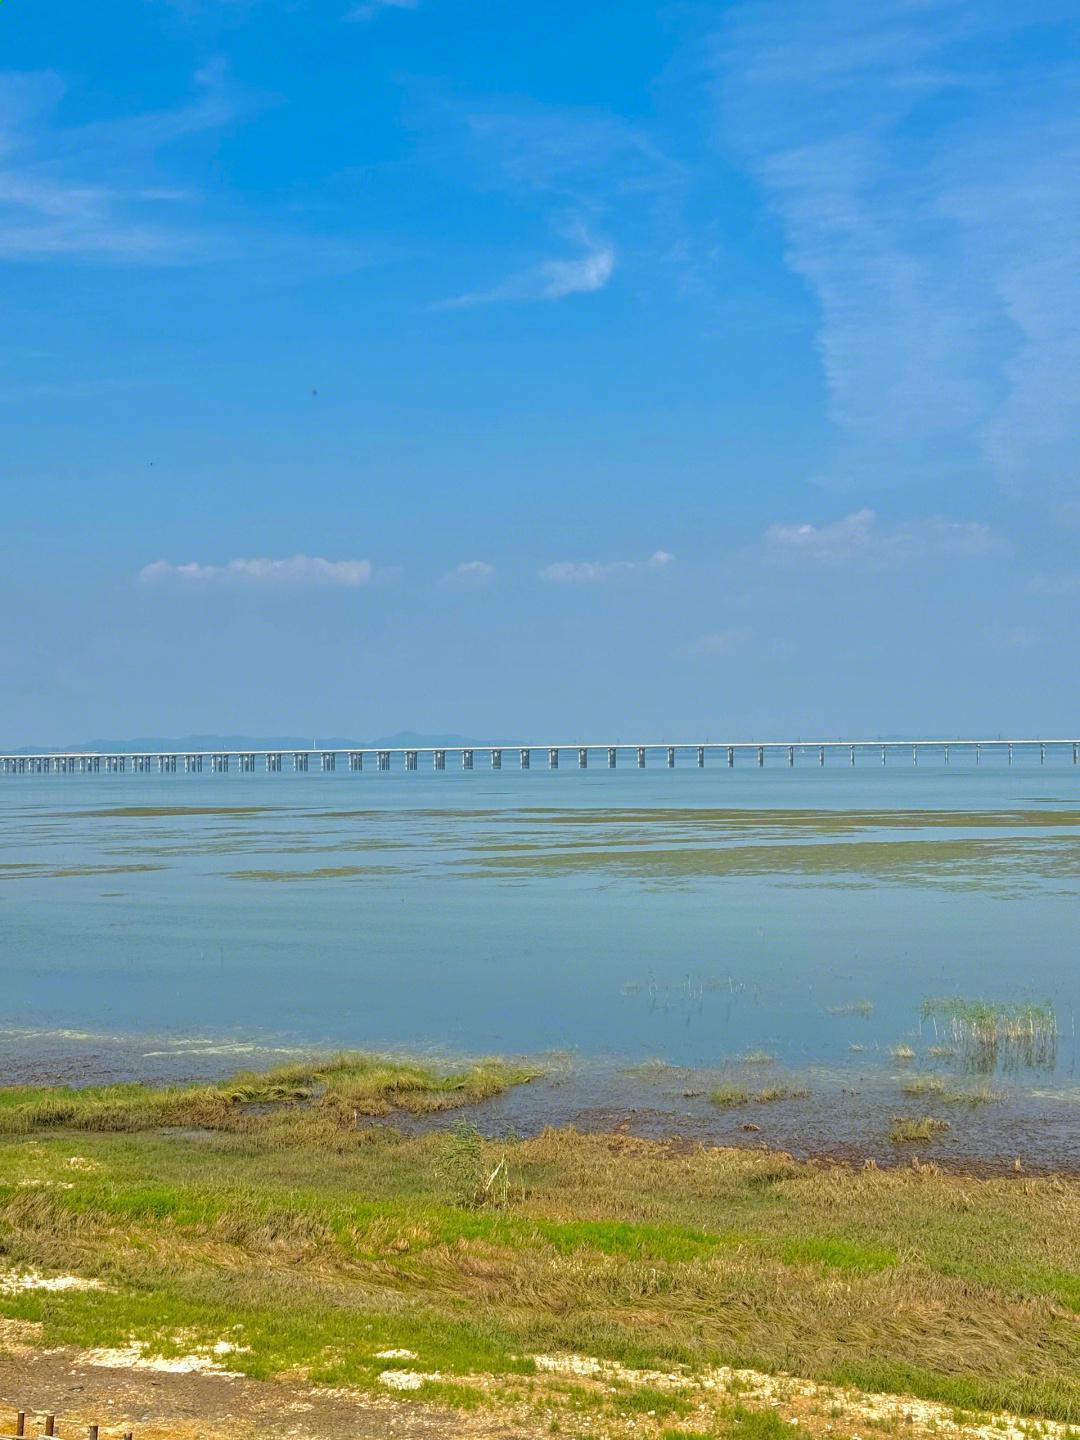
x=160, y=924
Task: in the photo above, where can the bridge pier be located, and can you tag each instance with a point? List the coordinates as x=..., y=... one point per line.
x=466, y=759
x=612, y=757
x=553, y=758
x=821, y=755
x=328, y=759
x=731, y=757
x=273, y=762
x=356, y=760
x=791, y=756
x=671, y=757
x=701, y=757
x=439, y=759
x=496, y=759
x=760, y=756
x=914, y=755
x=299, y=760
x=641, y=757
x=525, y=759
x=853, y=754
x=410, y=760
x=582, y=758
x=384, y=759
x=1010, y=754
x=1042, y=754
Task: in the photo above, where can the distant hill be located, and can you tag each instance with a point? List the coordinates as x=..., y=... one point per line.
x=402, y=740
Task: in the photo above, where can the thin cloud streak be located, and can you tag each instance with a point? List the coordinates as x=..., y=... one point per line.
x=859, y=538
x=295, y=570
x=596, y=572
x=372, y=8
x=553, y=280
x=472, y=572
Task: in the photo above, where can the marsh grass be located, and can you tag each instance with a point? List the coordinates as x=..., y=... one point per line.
x=335, y=1090
x=317, y=1244
x=904, y=1131
x=902, y=1052
x=726, y=1096
x=987, y=1034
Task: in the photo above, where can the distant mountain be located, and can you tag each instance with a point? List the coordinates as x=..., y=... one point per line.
x=402, y=740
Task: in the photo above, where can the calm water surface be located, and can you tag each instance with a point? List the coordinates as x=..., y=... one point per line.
x=695, y=917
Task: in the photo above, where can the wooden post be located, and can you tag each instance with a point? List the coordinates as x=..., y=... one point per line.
x=20, y=1423
x=92, y=1433
x=50, y=1424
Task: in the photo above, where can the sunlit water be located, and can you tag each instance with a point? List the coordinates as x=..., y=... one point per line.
x=160, y=923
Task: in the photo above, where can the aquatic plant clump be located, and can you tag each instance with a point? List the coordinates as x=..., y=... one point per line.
x=988, y=1035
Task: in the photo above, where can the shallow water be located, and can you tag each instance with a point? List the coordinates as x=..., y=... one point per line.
x=694, y=916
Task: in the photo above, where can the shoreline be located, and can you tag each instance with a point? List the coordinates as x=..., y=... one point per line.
x=808, y=1112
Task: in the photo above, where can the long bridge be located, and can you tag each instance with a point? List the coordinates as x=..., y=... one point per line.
x=636, y=755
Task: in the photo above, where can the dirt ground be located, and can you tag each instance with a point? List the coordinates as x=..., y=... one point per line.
x=155, y=1406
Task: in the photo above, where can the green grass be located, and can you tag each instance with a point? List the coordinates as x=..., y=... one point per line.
x=926, y=1127
x=332, y=1089
x=315, y=1244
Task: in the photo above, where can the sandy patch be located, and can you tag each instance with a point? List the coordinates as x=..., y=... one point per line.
x=395, y=1354
x=133, y=1356
x=406, y=1379
x=15, y=1283
x=788, y=1392
x=81, y=1162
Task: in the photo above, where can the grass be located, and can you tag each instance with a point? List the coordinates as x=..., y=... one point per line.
x=905, y=1131
x=987, y=1034
x=331, y=1090
x=315, y=1243
x=730, y=1095
x=920, y=1085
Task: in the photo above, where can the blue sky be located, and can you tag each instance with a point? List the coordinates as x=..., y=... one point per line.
x=605, y=370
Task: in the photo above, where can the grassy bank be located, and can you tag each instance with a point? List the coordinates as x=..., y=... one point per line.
x=271, y=1216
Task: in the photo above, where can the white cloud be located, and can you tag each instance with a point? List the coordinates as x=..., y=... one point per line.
x=595, y=572
x=859, y=537
x=371, y=8
x=551, y=280
x=927, y=187
x=295, y=570
x=472, y=572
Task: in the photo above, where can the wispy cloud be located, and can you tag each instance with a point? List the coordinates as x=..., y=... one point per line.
x=472, y=572
x=295, y=570
x=1057, y=587
x=551, y=280
x=715, y=645
x=595, y=572
x=90, y=191
x=928, y=188
x=859, y=538
x=371, y=8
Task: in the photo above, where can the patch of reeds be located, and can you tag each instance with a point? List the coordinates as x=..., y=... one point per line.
x=727, y=1096
x=988, y=1035
x=863, y=1008
x=904, y=1131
